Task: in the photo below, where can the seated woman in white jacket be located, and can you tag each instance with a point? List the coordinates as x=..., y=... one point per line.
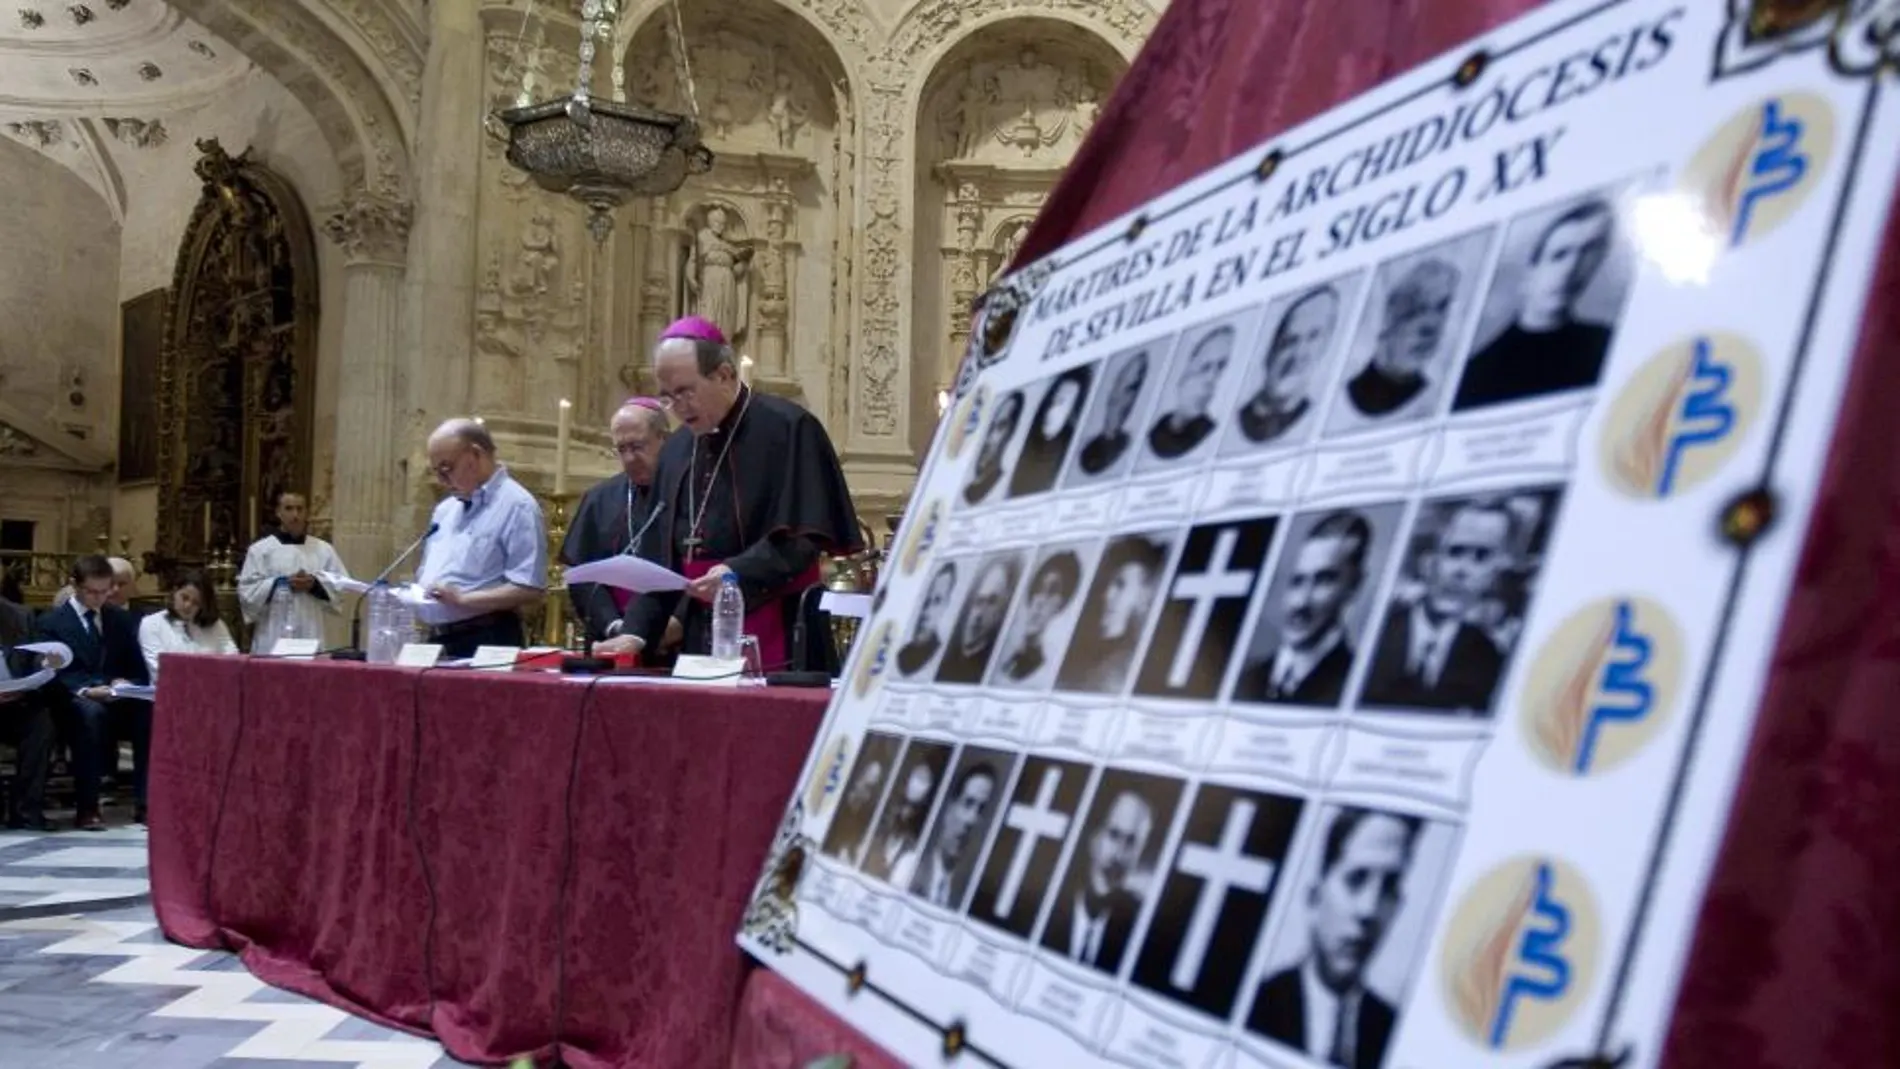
x=189, y=623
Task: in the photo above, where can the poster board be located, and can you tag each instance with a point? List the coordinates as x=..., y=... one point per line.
x=1329, y=623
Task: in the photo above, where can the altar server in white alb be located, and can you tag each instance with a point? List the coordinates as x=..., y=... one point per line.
x=283, y=589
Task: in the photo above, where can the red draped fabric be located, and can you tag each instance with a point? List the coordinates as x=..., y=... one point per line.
x=1796, y=957
x=512, y=863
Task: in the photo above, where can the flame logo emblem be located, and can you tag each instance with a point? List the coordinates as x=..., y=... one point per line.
x=872, y=660
x=1682, y=416
x=922, y=535
x=828, y=776
x=1758, y=168
x=1521, y=952
x=966, y=417
x=1602, y=686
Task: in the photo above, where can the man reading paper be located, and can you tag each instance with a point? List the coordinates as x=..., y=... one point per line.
x=616, y=513
x=754, y=490
x=282, y=588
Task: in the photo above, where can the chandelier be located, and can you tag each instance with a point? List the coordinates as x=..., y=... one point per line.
x=603, y=153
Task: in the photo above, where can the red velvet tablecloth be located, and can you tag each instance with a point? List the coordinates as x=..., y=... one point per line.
x=514, y=863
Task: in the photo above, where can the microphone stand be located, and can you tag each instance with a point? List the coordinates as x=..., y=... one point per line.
x=796, y=676
x=356, y=651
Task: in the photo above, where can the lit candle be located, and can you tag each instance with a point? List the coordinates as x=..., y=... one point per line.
x=745, y=370
x=560, y=450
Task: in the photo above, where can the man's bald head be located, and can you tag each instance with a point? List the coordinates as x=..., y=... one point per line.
x=638, y=430
x=124, y=576
x=462, y=456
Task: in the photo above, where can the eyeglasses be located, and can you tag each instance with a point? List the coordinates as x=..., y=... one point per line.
x=627, y=449
x=669, y=398
x=447, y=468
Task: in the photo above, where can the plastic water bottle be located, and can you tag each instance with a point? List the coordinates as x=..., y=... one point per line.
x=382, y=604
x=728, y=618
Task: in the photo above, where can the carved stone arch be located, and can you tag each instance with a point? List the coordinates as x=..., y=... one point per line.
x=777, y=84
x=237, y=370
x=365, y=129
x=927, y=32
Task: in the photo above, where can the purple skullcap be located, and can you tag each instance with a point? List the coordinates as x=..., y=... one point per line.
x=648, y=403
x=696, y=328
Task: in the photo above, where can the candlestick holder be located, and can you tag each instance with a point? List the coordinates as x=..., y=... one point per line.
x=556, y=627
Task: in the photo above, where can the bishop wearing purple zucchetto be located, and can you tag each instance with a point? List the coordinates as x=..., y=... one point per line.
x=753, y=489
x=615, y=513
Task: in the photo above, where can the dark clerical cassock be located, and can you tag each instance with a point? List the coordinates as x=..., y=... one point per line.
x=762, y=493
x=612, y=516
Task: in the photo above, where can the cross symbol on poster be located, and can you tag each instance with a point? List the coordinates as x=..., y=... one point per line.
x=1219, y=867
x=1035, y=822
x=1205, y=589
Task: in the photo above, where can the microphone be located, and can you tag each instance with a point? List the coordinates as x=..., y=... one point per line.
x=355, y=652
x=797, y=675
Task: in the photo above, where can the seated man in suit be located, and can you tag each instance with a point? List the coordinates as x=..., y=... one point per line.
x=1322, y=1006
x=105, y=643
x=1431, y=655
x=26, y=721
x=1094, y=913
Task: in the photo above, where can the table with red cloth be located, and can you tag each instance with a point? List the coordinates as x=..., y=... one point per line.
x=515, y=863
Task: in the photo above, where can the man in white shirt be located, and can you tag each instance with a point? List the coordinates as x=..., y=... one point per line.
x=282, y=587
x=1430, y=655
x=1094, y=915
x=1322, y=1006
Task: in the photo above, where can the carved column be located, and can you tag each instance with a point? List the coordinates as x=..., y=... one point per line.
x=775, y=266
x=448, y=170
x=373, y=233
x=656, y=284
x=962, y=272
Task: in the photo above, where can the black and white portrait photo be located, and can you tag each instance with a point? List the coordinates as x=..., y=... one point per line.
x=1356, y=919
x=925, y=639
x=1030, y=833
x=941, y=874
x=1562, y=279
x=1039, y=628
x=1458, y=609
x=900, y=826
x=1186, y=415
x=980, y=619
x=1280, y=396
x=1111, y=872
x=1051, y=431
x=1112, y=425
x=1127, y=586
x=1315, y=613
x=1204, y=609
x=864, y=788
x=1215, y=895
x=991, y=456
x=1404, y=350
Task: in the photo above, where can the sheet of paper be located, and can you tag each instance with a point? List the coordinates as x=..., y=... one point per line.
x=494, y=657
x=842, y=604
x=418, y=655
x=429, y=610
x=135, y=692
x=26, y=683
x=295, y=647
x=58, y=654
x=627, y=573
x=346, y=584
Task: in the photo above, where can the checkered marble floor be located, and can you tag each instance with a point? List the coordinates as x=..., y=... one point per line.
x=100, y=988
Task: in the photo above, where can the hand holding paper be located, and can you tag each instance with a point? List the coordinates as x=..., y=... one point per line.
x=626, y=572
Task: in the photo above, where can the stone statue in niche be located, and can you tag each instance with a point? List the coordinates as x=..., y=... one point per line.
x=785, y=113
x=540, y=261
x=1006, y=251
x=716, y=274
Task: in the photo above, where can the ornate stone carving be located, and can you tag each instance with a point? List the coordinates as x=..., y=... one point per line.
x=751, y=95
x=201, y=48
x=531, y=306
x=82, y=76
x=31, y=19
x=139, y=133
x=81, y=14
x=718, y=275
x=40, y=133
x=15, y=444
x=371, y=228
x=400, y=51
x=150, y=72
